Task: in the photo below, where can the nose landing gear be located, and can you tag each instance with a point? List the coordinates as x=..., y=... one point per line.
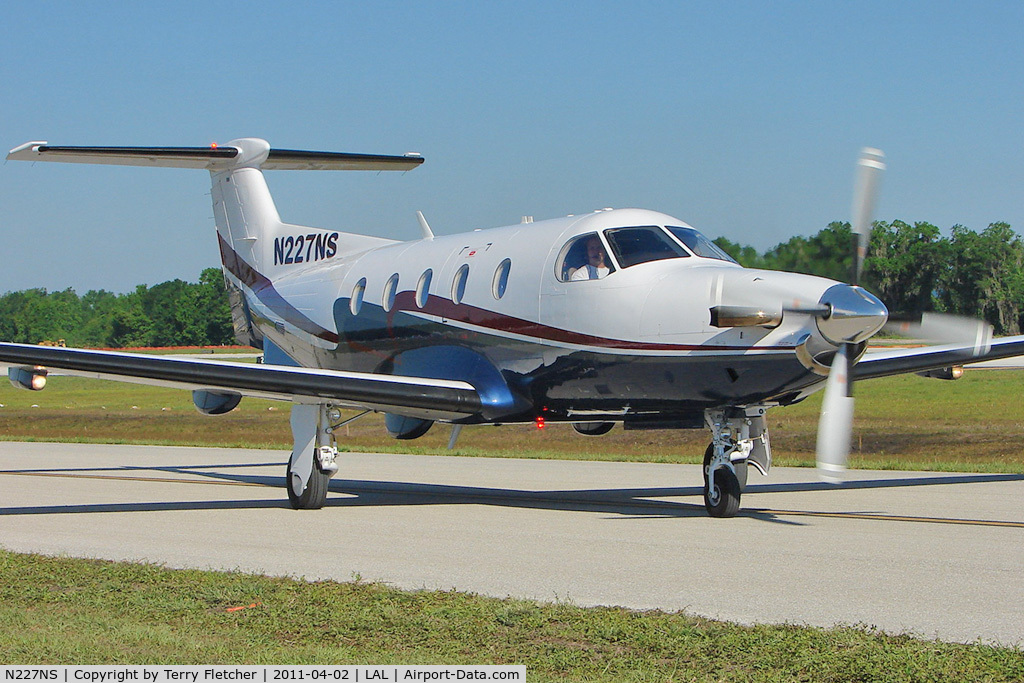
x=739, y=438
x=722, y=496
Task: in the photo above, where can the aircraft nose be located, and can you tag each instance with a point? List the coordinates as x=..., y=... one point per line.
x=855, y=314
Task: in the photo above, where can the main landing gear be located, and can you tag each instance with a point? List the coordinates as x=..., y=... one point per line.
x=312, y=462
x=739, y=438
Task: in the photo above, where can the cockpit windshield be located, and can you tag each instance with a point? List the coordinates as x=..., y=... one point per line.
x=584, y=256
x=699, y=244
x=642, y=244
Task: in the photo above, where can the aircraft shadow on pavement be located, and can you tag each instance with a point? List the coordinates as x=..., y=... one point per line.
x=625, y=502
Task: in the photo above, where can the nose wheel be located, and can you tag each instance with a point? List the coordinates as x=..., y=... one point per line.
x=722, y=494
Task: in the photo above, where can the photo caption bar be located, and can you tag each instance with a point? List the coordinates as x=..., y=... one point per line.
x=352, y=673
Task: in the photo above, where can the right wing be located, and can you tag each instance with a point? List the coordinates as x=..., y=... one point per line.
x=898, y=361
x=431, y=399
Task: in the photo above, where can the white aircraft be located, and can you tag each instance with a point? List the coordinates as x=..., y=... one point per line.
x=618, y=316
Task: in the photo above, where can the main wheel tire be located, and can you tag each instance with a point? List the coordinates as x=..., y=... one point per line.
x=723, y=499
x=315, y=494
x=741, y=469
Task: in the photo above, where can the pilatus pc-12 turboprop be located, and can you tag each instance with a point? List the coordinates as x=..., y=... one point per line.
x=618, y=316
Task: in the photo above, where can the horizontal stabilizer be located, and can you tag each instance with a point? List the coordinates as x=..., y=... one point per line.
x=214, y=158
x=301, y=160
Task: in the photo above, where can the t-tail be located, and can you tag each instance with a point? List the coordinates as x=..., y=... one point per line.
x=256, y=247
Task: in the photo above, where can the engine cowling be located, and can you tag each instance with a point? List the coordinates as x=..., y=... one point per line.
x=30, y=378
x=215, y=402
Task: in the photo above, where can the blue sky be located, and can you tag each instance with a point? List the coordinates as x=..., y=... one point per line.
x=742, y=118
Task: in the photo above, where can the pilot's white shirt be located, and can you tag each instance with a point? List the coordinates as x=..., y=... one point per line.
x=589, y=272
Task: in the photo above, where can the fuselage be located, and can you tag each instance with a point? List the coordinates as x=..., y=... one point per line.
x=500, y=309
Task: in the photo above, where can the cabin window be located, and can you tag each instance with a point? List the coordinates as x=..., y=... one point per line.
x=584, y=258
x=390, y=292
x=632, y=246
x=423, y=288
x=356, y=302
x=699, y=244
x=500, y=282
x=459, y=284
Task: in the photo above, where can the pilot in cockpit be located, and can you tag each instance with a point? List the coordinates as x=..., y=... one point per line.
x=596, y=266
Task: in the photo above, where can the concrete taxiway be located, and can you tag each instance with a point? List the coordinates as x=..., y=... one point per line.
x=935, y=555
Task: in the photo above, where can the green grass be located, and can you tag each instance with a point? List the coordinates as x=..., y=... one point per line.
x=905, y=422
x=65, y=611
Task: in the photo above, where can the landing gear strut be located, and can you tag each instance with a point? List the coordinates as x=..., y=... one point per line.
x=312, y=462
x=738, y=438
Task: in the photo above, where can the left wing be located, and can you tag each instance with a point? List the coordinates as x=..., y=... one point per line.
x=430, y=399
x=899, y=361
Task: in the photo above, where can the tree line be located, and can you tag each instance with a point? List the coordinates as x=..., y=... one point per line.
x=912, y=268
x=174, y=313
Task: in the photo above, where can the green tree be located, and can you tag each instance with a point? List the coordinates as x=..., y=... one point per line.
x=37, y=316
x=985, y=276
x=904, y=264
x=10, y=304
x=744, y=254
x=130, y=325
x=172, y=313
x=216, y=310
x=98, y=307
x=827, y=254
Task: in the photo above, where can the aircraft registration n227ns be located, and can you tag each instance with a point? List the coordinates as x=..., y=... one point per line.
x=618, y=316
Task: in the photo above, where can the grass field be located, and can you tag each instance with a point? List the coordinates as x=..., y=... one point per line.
x=906, y=422
x=57, y=610
x=61, y=610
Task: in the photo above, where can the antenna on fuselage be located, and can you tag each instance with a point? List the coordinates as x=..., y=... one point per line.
x=428, y=234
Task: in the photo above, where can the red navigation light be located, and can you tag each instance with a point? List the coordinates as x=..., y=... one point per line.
x=540, y=422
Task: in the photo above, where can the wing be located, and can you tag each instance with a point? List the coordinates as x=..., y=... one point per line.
x=425, y=398
x=899, y=361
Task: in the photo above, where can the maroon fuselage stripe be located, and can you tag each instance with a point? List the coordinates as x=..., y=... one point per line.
x=271, y=298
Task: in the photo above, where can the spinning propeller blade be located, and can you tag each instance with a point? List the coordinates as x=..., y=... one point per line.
x=836, y=422
x=835, y=425
x=869, y=171
x=942, y=328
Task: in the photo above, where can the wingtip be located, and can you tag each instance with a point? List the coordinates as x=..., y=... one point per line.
x=26, y=150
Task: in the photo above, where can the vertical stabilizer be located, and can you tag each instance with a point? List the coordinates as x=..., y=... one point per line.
x=243, y=209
